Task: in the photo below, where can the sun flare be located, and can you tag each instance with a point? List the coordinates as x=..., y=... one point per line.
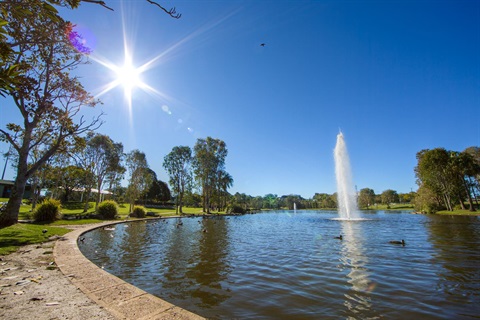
x=128, y=76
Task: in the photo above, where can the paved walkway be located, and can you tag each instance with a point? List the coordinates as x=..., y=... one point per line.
x=121, y=299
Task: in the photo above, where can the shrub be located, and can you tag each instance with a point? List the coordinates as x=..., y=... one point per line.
x=235, y=209
x=139, y=212
x=47, y=211
x=108, y=209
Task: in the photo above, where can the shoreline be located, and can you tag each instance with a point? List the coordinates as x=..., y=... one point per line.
x=53, y=280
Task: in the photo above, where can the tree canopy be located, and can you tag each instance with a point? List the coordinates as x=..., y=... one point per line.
x=48, y=98
x=447, y=177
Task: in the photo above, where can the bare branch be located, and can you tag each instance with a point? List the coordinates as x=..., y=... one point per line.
x=102, y=3
x=172, y=12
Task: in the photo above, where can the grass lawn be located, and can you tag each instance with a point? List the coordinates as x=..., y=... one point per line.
x=22, y=234
x=399, y=206
x=459, y=212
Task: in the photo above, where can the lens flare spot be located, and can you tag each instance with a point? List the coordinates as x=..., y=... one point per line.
x=81, y=38
x=166, y=109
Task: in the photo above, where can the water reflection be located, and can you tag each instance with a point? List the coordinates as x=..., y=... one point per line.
x=196, y=262
x=358, y=300
x=281, y=266
x=457, y=240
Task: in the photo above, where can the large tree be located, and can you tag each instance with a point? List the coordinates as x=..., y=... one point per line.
x=140, y=176
x=389, y=196
x=224, y=182
x=449, y=175
x=208, y=161
x=433, y=173
x=366, y=198
x=158, y=190
x=104, y=157
x=178, y=166
x=49, y=99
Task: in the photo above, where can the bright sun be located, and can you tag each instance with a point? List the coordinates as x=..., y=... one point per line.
x=128, y=76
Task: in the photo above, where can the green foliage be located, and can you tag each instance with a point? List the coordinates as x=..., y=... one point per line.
x=47, y=94
x=108, y=209
x=366, y=198
x=389, y=196
x=209, y=168
x=235, y=209
x=139, y=212
x=450, y=176
x=47, y=211
x=140, y=175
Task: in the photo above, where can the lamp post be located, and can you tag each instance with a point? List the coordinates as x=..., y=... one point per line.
x=7, y=155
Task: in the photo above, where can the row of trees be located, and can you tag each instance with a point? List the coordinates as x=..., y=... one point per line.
x=204, y=169
x=448, y=178
x=97, y=162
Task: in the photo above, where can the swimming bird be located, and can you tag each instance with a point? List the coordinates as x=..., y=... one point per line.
x=340, y=237
x=82, y=239
x=398, y=242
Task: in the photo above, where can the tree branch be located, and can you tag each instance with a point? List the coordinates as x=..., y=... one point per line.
x=172, y=12
x=102, y=3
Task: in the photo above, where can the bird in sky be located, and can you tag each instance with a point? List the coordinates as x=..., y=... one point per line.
x=262, y=45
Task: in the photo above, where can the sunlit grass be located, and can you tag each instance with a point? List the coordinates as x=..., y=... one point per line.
x=459, y=212
x=22, y=234
x=399, y=206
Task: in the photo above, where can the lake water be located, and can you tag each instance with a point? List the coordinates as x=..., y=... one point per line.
x=286, y=265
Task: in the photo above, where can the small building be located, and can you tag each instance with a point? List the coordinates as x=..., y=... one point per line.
x=6, y=187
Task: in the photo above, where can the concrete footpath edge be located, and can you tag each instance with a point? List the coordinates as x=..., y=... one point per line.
x=121, y=299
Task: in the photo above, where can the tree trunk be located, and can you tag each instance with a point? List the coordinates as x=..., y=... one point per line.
x=36, y=196
x=469, y=196
x=132, y=204
x=99, y=194
x=447, y=202
x=10, y=216
x=87, y=198
x=179, y=202
x=462, y=205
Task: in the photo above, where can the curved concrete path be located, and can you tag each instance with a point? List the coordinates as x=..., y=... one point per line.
x=121, y=299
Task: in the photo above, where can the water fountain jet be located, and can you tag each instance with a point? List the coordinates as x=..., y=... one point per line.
x=346, y=197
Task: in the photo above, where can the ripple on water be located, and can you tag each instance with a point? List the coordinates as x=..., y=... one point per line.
x=289, y=266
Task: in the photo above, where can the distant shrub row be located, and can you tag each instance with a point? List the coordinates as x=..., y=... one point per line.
x=49, y=210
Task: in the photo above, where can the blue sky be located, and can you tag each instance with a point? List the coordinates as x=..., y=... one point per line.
x=395, y=76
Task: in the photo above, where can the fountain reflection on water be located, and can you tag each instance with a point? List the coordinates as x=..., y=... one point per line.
x=358, y=301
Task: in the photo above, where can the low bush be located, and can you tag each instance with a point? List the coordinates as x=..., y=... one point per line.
x=47, y=211
x=235, y=209
x=108, y=209
x=139, y=212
